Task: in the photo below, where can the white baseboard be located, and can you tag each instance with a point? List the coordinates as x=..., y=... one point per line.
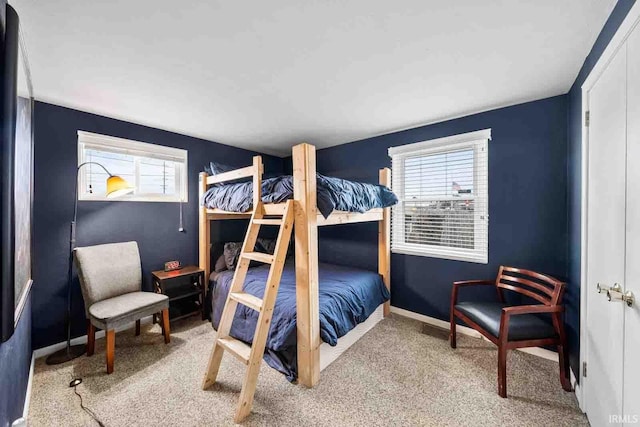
x=576, y=388
x=27, y=399
x=465, y=330
x=22, y=421
x=45, y=351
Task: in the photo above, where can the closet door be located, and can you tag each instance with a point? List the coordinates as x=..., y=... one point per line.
x=606, y=223
x=631, y=389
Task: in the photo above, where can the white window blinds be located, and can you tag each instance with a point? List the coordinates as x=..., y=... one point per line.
x=158, y=173
x=442, y=185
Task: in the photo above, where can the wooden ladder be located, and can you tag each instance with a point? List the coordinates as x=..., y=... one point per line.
x=251, y=355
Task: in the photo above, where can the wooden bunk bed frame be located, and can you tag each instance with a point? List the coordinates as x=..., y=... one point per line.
x=307, y=220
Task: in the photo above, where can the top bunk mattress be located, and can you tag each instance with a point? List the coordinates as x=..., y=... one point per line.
x=332, y=194
x=348, y=296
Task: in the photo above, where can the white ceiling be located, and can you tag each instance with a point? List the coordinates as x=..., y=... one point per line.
x=266, y=75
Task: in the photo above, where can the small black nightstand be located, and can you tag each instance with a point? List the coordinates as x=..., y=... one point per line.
x=185, y=289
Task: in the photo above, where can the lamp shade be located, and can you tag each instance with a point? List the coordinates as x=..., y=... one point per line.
x=117, y=187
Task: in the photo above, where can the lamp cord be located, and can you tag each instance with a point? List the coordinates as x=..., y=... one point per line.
x=84, y=408
x=87, y=410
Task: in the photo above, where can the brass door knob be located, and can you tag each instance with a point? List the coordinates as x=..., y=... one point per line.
x=604, y=289
x=626, y=297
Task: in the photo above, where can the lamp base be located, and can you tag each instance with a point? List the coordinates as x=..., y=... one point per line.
x=66, y=354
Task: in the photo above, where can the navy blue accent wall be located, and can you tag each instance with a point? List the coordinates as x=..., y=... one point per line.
x=574, y=171
x=153, y=225
x=15, y=361
x=527, y=202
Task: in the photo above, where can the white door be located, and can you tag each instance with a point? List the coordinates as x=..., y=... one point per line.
x=612, y=384
x=631, y=389
x=606, y=241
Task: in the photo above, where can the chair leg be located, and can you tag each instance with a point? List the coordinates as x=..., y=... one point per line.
x=563, y=354
x=452, y=333
x=138, y=327
x=563, y=357
x=166, y=329
x=111, y=349
x=502, y=370
x=91, y=338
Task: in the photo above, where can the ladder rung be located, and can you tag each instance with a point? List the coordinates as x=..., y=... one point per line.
x=236, y=347
x=264, y=221
x=258, y=256
x=247, y=299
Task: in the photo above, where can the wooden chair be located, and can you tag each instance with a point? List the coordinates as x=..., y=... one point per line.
x=111, y=282
x=520, y=326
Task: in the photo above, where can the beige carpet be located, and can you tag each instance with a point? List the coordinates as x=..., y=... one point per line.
x=394, y=375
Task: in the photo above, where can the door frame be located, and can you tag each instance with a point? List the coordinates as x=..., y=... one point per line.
x=620, y=37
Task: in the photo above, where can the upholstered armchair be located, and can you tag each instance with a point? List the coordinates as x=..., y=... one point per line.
x=511, y=327
x=111, y=282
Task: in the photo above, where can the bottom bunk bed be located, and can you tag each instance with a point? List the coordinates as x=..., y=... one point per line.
x=350, y=304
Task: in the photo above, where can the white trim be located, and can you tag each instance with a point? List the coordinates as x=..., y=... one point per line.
x=448, y=141
x=27, y=399
x=138, y=149
x=477, y=141
x=465, y=330
x=98, y=140
x=22, y=421
x=45, y=351
x=576, y=388
x=624, y=30
x=329, y=354
x=454, y=256
x=619, y=38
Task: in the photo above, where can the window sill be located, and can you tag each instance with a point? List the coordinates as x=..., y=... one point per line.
x=452, y=257
x=131, y=199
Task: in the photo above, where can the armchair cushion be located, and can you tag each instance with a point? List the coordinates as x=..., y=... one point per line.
x=123, y=309
x=521, y=327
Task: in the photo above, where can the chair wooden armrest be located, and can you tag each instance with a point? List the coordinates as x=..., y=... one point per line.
x=456, y=285
x=532, y=309
x=474, y=282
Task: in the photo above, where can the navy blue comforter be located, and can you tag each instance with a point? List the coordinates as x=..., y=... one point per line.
x=333, y=194
x=348, y=296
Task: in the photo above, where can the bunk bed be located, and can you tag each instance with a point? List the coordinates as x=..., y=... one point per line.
x=312, y=354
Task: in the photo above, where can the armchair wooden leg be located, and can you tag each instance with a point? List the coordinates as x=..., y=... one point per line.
x=91, y=338
x=138, y=327
x=563, y=357
x=502, y=370
x=111, y=349
x=452, y=333
x=166, y=329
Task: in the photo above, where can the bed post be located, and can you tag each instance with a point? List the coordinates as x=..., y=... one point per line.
x=257, y=180
x=204, y=245
x=306, y=250
x=384, y=240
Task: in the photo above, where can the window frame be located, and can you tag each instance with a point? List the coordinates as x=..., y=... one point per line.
x=137, y=149
x=478, y=141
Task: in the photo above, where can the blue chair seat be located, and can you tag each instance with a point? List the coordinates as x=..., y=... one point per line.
x=521, y=327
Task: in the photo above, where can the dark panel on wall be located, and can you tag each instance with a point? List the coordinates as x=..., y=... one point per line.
x=574, y=171
x=527, y=202
x=15, y=353
x=15, y=362
x=153, y=225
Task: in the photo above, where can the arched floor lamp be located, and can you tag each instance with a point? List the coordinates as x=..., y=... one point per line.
x=116, y=187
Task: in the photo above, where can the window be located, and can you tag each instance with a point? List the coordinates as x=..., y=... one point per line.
x=443, y=191
x=158, y=173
